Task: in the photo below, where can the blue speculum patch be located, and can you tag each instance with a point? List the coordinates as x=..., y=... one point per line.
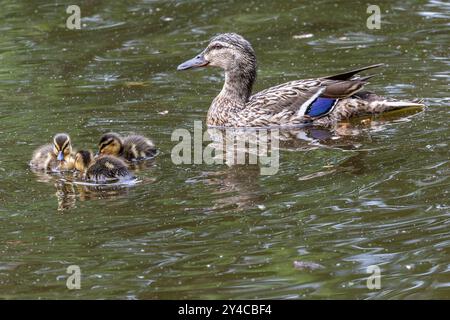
x=321, y=106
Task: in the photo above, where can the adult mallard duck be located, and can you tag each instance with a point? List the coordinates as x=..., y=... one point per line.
x=320, y=101
x=131, y=148
x=54, y=157
x=101, y=169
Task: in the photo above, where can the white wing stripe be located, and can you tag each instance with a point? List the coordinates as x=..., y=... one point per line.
x=301, y=112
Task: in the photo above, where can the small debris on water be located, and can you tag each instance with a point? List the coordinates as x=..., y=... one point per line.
x=134, y=84
x=167, y=19
x=302, y=36
x=307, y=265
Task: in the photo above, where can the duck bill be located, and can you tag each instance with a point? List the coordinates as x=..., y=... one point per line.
x=60, y=156
x=197, y=62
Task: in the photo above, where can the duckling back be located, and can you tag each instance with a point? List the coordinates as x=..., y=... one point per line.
x=137, y=147
x=43, y=158
x=108, y=168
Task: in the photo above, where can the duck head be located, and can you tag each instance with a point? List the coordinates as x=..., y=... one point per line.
x=227, y=51
x=62, y=147
x=232, y=53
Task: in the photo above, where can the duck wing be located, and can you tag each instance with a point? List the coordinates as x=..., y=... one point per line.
x=302, y=96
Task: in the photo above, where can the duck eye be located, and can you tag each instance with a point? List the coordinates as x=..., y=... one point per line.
x=217, y=47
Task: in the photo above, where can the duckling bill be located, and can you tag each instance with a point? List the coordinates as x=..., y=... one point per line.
x=101, y=169
x=54, y=157
x=320, y=101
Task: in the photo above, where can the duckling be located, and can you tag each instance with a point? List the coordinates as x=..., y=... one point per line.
x=101, y=169
x=322, y=101
x=54, y=157
x=131, y=148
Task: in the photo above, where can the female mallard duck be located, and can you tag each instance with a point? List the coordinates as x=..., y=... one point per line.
x=131, y=148
x=54, y=157
x=320, y=101
x=101, y=169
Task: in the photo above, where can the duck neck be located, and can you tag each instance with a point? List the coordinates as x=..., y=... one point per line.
x=235, y=93
x=239, y=81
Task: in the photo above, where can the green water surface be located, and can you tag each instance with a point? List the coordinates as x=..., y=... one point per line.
x=372, y=196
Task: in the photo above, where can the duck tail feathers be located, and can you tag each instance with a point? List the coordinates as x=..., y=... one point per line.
x=403, y=104
x=349, y=74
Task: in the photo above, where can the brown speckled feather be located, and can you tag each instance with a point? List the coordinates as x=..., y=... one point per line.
x=285, y=104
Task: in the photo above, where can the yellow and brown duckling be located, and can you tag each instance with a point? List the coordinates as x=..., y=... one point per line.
x=130, y=148
x=54, y=157
x=101, y=169
x=318, y=101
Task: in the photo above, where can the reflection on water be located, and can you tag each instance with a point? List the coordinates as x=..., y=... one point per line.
x=65, y=194
x=237, y=145
x=234, y=187
x=241, y=160
x=70, y=186
x=70, y=189
x=372, y=191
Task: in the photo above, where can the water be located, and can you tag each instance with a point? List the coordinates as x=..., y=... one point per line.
x=365, y=196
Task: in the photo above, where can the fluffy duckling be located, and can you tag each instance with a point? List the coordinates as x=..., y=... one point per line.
x=131, y=148
x=101, y=169
x=54, y=157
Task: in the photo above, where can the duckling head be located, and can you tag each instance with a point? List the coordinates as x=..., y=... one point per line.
x=83, y=159
x=110, y=144
x=62, y=147
x=232, y=53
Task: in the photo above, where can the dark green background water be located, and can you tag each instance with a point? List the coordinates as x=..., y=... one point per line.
x=378, y=197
